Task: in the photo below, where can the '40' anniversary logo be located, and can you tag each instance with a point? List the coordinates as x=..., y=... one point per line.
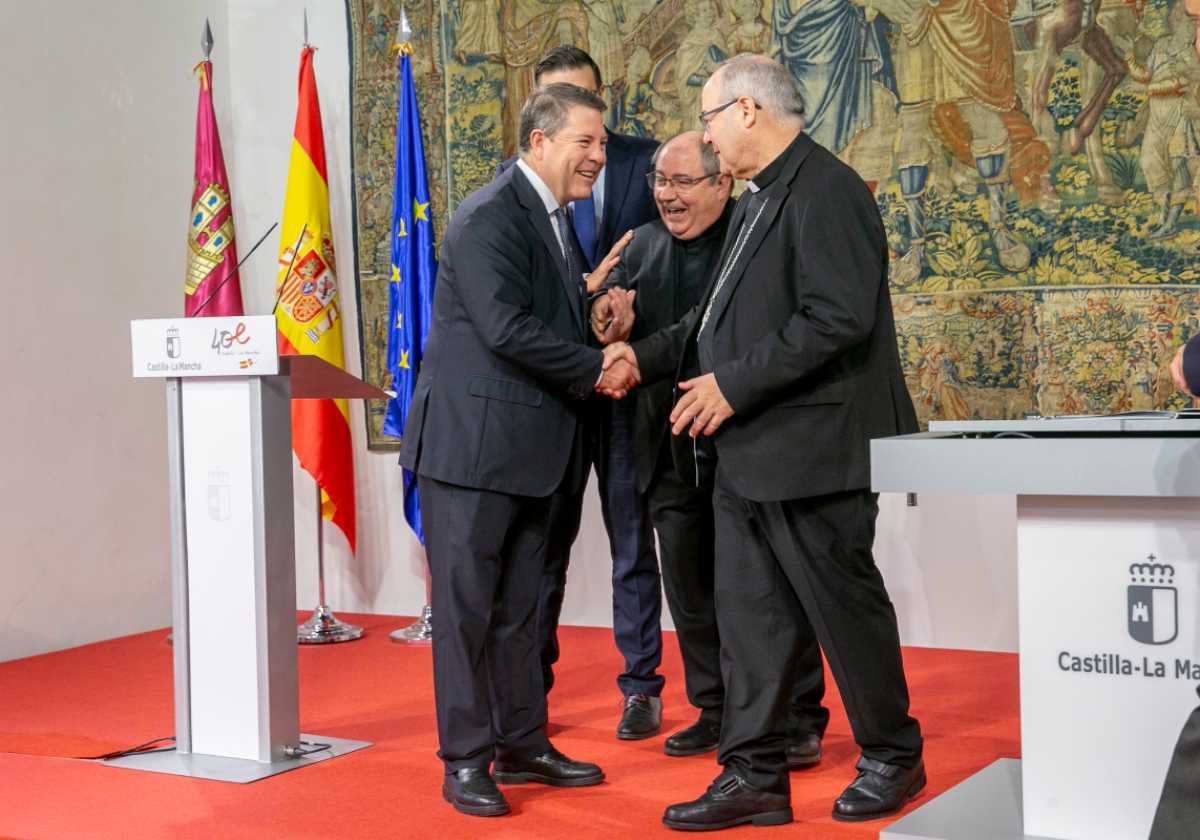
x=223, y=340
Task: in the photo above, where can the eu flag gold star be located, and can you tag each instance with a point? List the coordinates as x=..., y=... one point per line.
x=404, y=359
x=402, y=233
x=419, y=210
x=395, y=274
x=399, y=320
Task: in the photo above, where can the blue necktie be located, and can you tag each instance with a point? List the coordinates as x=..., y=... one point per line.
x=583, y=218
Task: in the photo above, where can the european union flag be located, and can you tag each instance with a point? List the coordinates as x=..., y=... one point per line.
x=410, y=293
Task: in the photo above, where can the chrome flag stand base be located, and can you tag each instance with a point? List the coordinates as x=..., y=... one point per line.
x=419, y=632
x=324, y=627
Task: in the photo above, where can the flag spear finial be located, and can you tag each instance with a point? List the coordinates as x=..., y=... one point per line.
x=404, y=34
x=206, y=40
x=306, y=28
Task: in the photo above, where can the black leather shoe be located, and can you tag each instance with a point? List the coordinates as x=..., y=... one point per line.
x=701, y=737
x=641, y=717
x=730, y=801
x=472, y=791
x=803, y=751
x=549, y=768
x=879, y=791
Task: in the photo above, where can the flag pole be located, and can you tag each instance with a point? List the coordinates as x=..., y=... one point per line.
x=323, y=627
x=421, y=630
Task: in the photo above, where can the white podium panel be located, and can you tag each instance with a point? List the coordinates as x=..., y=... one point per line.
x=1110, y=657
x=1108, y=567
x=235, y=567
x=233, y=576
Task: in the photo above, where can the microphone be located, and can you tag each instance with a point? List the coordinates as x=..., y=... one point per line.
x=233, y=273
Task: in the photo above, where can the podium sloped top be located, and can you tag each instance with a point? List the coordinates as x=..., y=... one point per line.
x=313, y=378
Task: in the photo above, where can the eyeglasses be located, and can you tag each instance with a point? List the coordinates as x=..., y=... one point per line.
x=679, y=183
x=706, y=116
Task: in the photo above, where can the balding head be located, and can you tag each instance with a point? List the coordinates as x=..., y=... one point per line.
x=689, y=189
x=767, y=82
x=752, y=111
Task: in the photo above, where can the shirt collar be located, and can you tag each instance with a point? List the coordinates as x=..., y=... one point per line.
x=539, y=187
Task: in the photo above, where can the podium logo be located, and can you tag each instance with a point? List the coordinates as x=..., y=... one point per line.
x=223, y=340
x=1153, y=602
x=219, y=506
x=174, y=348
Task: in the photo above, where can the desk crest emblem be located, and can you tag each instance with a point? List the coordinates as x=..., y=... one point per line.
x=1153, y=602
x=219, y=507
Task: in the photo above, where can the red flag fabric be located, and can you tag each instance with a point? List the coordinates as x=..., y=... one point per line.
x=212, y=255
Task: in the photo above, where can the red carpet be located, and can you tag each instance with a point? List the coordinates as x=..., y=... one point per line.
x=114, y=694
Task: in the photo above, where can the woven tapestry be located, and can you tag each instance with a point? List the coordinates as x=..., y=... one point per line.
x=1035, y=162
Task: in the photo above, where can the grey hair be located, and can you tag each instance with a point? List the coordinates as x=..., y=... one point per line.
x=547, y=107
x=709, y=161
x=765, y=81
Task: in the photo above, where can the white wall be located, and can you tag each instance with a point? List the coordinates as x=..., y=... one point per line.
x=96, y=162
x=96, y=168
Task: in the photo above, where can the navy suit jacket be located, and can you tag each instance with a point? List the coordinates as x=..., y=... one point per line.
x=628, y=203
x=507, y=372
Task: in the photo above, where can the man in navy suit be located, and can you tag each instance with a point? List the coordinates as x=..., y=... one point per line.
x=495, y=433
x=620, y=202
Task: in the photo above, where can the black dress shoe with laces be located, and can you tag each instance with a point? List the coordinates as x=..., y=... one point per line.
x=803, y=751
x=730, y=801
x=640, y=718
x=549, y=768
x=471, y=790
x=879, y=791
x=701, y=737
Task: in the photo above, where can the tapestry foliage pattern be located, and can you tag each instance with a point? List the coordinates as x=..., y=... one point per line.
x=1036, y=163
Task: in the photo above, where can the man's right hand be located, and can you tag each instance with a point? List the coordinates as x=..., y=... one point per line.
x=612, y=315
x=619, y=371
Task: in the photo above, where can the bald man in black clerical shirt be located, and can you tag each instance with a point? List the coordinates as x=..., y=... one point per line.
x=667, y=266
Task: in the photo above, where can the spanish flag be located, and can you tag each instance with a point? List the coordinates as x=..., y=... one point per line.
x=309, y=313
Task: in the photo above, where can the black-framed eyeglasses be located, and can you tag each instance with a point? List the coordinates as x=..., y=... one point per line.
x=705, y=116
x=679, y=183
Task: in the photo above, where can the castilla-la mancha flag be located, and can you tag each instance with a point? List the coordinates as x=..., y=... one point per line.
x=309, y=312
x=212, y=256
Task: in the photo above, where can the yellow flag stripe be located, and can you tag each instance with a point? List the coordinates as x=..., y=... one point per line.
x=306, y=208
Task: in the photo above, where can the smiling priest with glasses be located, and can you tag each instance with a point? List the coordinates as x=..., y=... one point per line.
x=662, y=274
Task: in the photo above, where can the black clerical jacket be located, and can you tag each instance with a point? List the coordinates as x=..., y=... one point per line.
x=803, y=339
x=655, y=264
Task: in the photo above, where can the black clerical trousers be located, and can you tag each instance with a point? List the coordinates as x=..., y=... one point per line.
x=486, y=551
x=683, y=519
x=787, y=569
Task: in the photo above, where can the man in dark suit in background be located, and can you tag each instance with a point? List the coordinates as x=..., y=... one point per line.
x=788, y=368
x=494, y=434
x=620, y=201
x=668, y=264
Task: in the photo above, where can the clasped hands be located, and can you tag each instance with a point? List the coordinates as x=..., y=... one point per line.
x=700, y=411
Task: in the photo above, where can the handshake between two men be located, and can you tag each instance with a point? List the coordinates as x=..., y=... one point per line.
x=702, y=408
